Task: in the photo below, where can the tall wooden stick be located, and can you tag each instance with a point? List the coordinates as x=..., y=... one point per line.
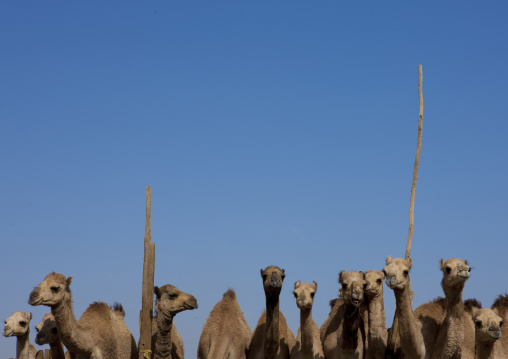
x=146, y=315
x=395, y=325
x=417, y=162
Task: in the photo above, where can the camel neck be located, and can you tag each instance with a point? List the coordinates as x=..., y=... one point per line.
x=57, y=350
x=453, y=300
x=163, y=344
x=306, y=332
x=272, y=327
x=411, y=339
x=351, y=326
x=378, y=335
x=70, y=330
x=23, y=345
x=485, y=351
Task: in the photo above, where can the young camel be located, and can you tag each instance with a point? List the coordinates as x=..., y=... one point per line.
x=272, y=338
x=344, y=332
x=377, y=335
x=47, y=333
x=308, y=344
x=18, y=325
x=455, y=338
x=226, y=333
x=100, y=333
x=491, y=339
x=169, y=301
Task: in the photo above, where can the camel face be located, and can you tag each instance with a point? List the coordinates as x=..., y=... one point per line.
x=17, y=324
x=455, y=272
x=397, y=272
x=51, y=291
x=487, y=325
x=351, y=287
x=304, y=294
x=170, y=301
x=273, y=277
x=46, y=330
x=374, y=283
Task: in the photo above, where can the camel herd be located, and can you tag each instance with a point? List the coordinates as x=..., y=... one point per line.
x=446, y=327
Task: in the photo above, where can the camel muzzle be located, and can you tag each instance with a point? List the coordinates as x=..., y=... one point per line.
x=32, y=300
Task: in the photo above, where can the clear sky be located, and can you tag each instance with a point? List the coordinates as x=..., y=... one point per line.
x=271, y=132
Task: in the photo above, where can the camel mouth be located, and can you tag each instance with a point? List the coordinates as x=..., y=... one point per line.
x=34, y=302
x=39, y=340
x=7, y=334
x=356, y=302
x=494, y=334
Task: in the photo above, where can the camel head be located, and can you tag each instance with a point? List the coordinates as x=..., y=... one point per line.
x=351, y=287
x=304, y=294
x=273, y=277
x=53, y=290
x=17, y=324
x=397, y=272
x=47, y=332
x=487, y=325
x=374, y=283
x=455, y=272
x=170, y=301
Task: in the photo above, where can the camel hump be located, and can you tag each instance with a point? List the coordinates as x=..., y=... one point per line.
x=501, y=303
x=333, y=302
x=471, y=303
x=229, y=294
x=440, y=301
x=117, y=307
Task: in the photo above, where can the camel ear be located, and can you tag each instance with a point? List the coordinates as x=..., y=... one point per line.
x=297, y=284
x=315, y=284
x=388, y=260
x=362, y=274
x=465, y=262
x=442, y=264
x=410, y=262
x=30, y=316
x=69, y=281
x=261, y=272
x=283, y=271
x=157, y=291
x=341, y=275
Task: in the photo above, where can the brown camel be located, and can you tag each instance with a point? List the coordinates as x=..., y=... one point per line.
x=377, y=335
x=308, y=344
x=18, y=325
x=491, y=339
x=169, y=301
x=344, y=332
x=226, y=333
x=101, y=332
x=410, y=329
x=455, y=338
x=271, y=338
x=47, y=333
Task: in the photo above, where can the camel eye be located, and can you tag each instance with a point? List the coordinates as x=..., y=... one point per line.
x=469, y=269
x=283, y=276
x=478, y=323
x=379, y=281
x=448, y=270
x=312, y=295
x=265, y=276
x=173, y=296
x=54, y=330
x=55, y=288
x=365, y=285
x=501, y=323
x=344, y=285
x=22, y=323
x=406, y=272
x=294, y=294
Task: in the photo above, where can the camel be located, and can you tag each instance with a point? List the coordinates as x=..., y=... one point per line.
x=100, y=333
x=169, y=301
x=491, y=339
x=455, y=338
x=271, y=338
x=47, y=333
x=377, y=335
x=344, y=333
x=308, y=343
x=18, y=325
x=226, y=333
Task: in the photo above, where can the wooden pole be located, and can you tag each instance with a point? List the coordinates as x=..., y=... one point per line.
x=395, y=325
x=146, y=315
x=417, y=162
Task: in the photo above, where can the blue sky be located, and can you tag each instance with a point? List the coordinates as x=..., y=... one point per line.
x=272, y=133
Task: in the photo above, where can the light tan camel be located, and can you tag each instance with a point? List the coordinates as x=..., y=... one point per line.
x=308, y=343
x=271, y=338
x=491, y=339
x=18, y=325
x=410, y=329
x=101, y=332
x=169, y=301
x=226, y=333
x=344, y=333
x=47, y=333
x=377, y=335
x=455, y=338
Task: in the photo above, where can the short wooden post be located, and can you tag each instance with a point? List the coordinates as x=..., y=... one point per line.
x=146, y=315
x=40, y=354
x=47, y=354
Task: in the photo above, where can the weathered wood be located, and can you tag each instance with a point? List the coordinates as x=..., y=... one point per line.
x=417, y=163
x=40, y=354
x=47, y=354
x=146, y=314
